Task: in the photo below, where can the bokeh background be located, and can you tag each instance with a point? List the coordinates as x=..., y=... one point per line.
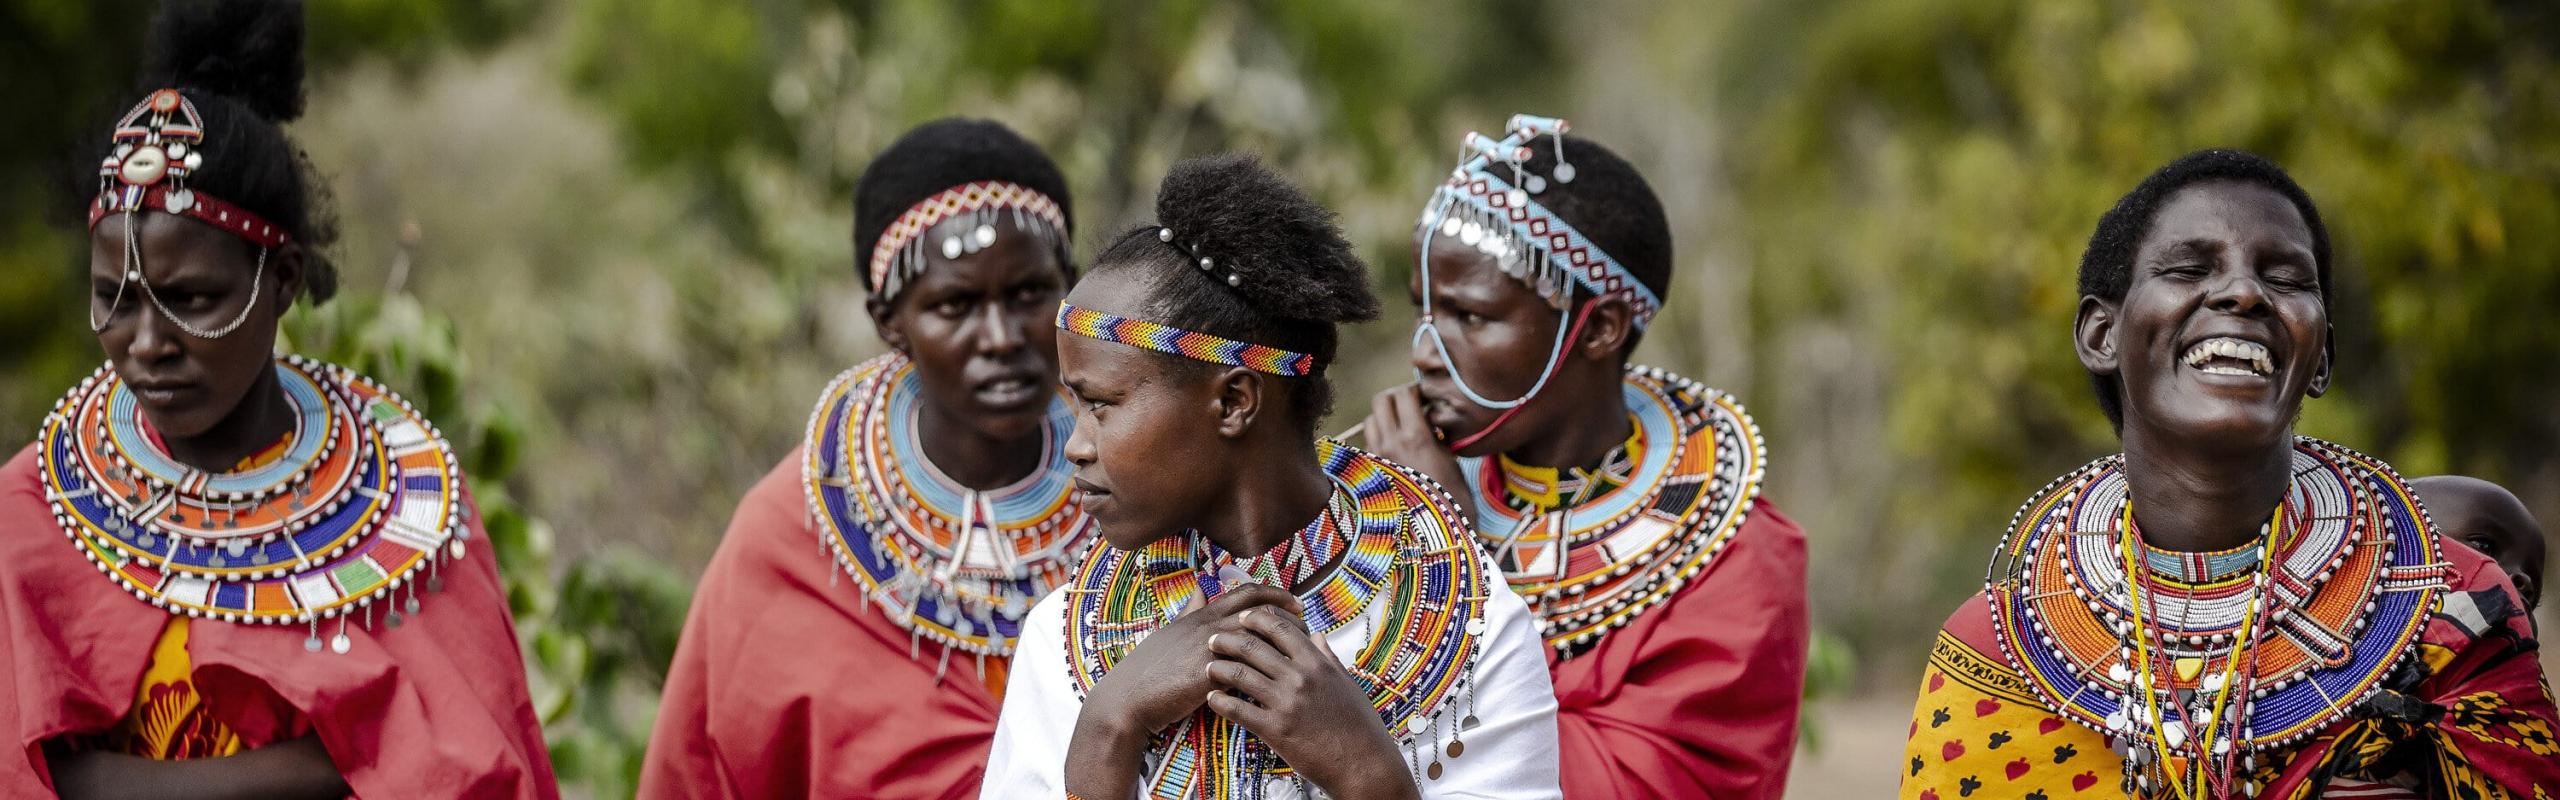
x=607, y=242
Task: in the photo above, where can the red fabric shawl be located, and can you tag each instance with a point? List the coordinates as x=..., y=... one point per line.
x=434, y=708
x=786, y=685
x=1697, y=697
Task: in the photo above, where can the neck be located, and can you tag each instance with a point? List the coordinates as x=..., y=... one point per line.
x=2190, y=497
x=1270, y=501
x=262, y=417
x=970, y=457
x=1596, y=424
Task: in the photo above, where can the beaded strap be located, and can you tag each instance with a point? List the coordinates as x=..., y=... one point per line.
x=1194, y=345
x=899, y=254
x=159, y=145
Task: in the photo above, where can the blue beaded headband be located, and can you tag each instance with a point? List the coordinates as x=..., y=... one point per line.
x=1484, y=208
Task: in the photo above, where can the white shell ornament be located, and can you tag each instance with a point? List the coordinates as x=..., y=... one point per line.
x=144, y=167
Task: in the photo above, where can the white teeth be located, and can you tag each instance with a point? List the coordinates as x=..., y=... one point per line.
x=2237, y=349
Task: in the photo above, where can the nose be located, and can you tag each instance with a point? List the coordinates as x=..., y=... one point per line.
x=1425, y=352
x=1001, y=331
x=1079, y=449
x=2237, y=290
x=154, y=338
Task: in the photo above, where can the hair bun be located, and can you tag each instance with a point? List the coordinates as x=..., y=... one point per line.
x=1285, y=250
x=247, y=50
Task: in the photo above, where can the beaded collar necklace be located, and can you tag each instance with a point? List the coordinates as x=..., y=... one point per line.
x=1405, y=545
x=2196, y=678
x=1590, y=566
x=945, y=562
x=362, y=504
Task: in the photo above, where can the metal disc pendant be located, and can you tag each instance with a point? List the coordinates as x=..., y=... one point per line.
x=1457, y=747
x=1434, y=772
x=340, y=644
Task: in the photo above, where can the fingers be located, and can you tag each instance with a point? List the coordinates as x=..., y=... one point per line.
x=1252, y=717
x=1290, y=640
x=1243, y=669
x=1239, y=598
x=1252, y=646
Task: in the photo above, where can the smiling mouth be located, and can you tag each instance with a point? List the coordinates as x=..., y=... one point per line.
x=2224, y=355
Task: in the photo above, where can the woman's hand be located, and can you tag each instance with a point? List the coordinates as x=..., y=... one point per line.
x=298, y=767
x=1400, y=431
x=1301, y=701
x=1161, y=681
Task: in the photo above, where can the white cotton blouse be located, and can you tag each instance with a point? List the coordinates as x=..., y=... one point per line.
x=1510, y=754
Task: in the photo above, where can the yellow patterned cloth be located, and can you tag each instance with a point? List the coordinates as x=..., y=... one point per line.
x=170, y=721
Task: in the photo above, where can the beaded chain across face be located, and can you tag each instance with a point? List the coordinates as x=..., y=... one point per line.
x=947, y=563
x=1406, y=568
x=2197, y=663
x=364, y=503
x=1591, y=565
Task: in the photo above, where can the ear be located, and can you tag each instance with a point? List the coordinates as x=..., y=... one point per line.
x=884, y=318
x=287, y=264
x=1611, y=323
x=2328, y=351
x=2093, y=335
x=1237, y=396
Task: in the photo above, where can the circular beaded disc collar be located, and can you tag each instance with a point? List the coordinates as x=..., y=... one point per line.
x=364, y=497
x=1634, y=546
x=2354, y=575
x=946, y=563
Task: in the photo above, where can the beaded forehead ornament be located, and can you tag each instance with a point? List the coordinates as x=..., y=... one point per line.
x=1486, y=205
x=900, y=253
x=158, y=146
x=1194, y=345
x=362, y=504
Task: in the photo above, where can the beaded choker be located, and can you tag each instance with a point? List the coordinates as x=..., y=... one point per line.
x=1174, y=341
x=364, y=501
x=1644, y=528
x=1416, y=662
x=948, y=563
x=2196, y=677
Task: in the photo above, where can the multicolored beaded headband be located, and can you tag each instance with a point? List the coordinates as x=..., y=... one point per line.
x=900, y=253
x=158, y=146
x=1484, y=208
x=1194, y=345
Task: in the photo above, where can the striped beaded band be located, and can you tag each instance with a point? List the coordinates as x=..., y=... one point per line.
x=1170, y=340
x=1481, y=207
x=900, y=252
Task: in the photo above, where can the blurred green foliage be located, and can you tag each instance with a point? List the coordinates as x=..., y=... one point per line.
x=607, y=243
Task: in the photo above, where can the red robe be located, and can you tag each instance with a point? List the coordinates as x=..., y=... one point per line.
x=1695, y=698
x=785, y=685
x=434, y=708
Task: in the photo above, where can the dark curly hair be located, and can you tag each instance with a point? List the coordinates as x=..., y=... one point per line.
x=1296, y=278
x=2106, y=267
x=240, y=62
x=942, y=154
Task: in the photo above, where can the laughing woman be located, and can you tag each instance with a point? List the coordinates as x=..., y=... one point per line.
x=1272, y=617
x=850, y=638
x=225, y=573
x=2227, y=609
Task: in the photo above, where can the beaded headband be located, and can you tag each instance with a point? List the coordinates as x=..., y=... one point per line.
x=1194, y=345
x=1485, y=209
x=158, y=146
x=900, y=253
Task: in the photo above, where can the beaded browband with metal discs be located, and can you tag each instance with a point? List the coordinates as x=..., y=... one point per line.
x=1591, y=564
x=2208, y=659
x=1402, y=545
x=947, y=563
x=159, y=146
x=900, y=252
x=364, y=502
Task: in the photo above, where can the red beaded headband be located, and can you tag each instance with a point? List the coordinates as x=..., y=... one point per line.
x=159, y=145
x=899, y=253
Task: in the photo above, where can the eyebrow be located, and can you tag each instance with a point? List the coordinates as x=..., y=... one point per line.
x=2189, y=248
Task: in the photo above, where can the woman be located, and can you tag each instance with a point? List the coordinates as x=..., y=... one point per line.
x=2227, y=609
x=1622, y=502
x=1272, y=618
x=238, y=611
x=851, y=637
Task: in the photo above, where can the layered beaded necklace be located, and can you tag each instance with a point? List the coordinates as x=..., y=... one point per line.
x=363, y=502
x=2193, y=664
x=945, y=562
x=1395, y=541
x=1591, y=551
